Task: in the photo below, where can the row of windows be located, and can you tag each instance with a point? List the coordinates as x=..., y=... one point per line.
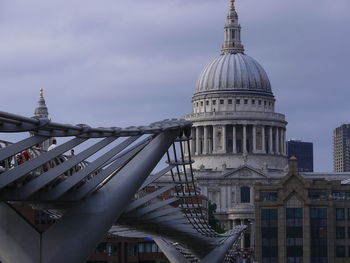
x=111, y=249
x=323, y=195
x=238, y=101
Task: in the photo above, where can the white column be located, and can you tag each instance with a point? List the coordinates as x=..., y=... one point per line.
x=234, y=146
x=184, y=146
x=205, y=140
x=193, y=141
x=254, y=138
x=283, y=141
x=214, y=139
x=210, y=141
x=270, y=141
x=277, y=141
x=244, y=138
x=263, y=139
x=197, y=141
x=224, y=139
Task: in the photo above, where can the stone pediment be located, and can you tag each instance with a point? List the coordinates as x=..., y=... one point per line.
x=244, y=172
x=295, y=180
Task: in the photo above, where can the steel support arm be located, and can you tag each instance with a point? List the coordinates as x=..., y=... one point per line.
x=217, y=255
x=74, y=237
x=170, y=251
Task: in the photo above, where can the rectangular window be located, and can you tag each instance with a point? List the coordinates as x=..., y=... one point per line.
x=265, y=103
x=229, y=101
x=340, y=251
x=340, y=214
x=269, y=234
x=214, y=102
x=245, y=194
x=338, y=196
x=253, y=101
x=318, y=229
x=245, y=101
x=318, y=195
x=132, y=249
x=340, y=232
x=201, y=103
x=247, y=240
x=294, y=234
x=347, y=195
x=268, y=196
x=259, y=102
x=238, y=101
x=221, y=101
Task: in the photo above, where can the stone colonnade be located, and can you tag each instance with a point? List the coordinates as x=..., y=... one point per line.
x=238, y=138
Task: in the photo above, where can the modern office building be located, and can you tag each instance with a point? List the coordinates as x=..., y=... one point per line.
x=341, y=148
x=304, y=218
x=304, y=152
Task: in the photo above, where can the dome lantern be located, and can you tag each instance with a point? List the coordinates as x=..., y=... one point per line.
x=232, y=37
x=41, y=110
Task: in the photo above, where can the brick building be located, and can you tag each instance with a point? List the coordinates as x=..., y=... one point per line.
x=303, y=219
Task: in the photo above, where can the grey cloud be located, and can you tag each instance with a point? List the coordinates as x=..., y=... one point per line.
x=125, y=62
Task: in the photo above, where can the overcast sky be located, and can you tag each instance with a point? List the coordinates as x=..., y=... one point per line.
x=123, y=62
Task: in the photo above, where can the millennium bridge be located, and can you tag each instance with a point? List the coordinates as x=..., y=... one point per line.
x=102, y=189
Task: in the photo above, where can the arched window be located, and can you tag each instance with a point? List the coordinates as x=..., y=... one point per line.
x=245, y=194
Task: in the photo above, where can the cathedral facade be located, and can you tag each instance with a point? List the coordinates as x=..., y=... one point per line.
x=238, y=139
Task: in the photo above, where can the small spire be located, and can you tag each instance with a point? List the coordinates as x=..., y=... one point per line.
x=41, y=93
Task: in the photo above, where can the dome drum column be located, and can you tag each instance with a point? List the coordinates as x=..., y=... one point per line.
x=197, y=141
x=263, y=139
x=254, y=139
x=224, y=139
x=234, y=139
x=270, y=140
x=277, y=141
x=283, y=142
x=245, y=139
x=193, y=141
x=205, y=140
x=214, y=139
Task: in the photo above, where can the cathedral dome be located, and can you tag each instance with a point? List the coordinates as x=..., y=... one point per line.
x=234, y=72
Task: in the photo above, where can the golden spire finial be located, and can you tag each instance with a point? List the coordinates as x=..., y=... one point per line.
x=41, y=93
x=232, y=4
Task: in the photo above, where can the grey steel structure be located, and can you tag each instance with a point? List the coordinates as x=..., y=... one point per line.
x=101, y=190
